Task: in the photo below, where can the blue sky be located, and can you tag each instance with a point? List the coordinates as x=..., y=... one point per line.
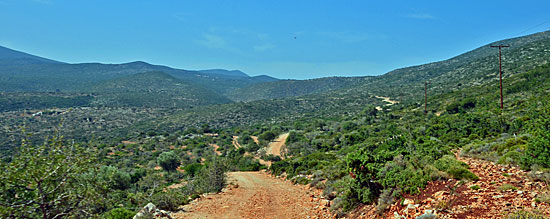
x=285, y=39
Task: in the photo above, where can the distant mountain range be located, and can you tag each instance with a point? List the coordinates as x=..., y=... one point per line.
x=21, y=72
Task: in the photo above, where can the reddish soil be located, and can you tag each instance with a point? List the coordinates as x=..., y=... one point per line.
x=464, y=202
x=255, y=139
x=216, y=149
x=258, y=195
x=275, y=146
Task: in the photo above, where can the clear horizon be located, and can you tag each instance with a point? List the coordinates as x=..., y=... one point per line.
x=284, y=39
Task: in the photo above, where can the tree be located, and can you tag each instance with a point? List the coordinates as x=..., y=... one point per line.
x=53, y=180
x=363, y=166
x=169, y=161
x=370, y=111
x=268, y=136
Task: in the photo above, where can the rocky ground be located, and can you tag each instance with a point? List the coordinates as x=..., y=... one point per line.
x=258, y=195
x=500, y=191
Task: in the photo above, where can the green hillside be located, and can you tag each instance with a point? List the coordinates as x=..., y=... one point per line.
x=153, y=89
x=477, y=67
x=404, y=85
x=291, y=88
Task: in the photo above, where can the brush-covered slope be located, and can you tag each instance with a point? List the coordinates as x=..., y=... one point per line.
x=153, y=89
x=479, y=66
x=291, y=88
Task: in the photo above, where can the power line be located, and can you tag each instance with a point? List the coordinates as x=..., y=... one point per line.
x=533, y=27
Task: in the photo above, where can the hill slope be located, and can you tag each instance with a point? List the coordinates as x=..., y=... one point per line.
x=479, y=66
x=153, y=89
x=235, y=73
x=291, y=88
x=13, y=57
x=476, y=67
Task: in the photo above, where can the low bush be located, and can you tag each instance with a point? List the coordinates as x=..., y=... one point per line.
x=525, y=215
x=456, y=169
x=169, y=200
x=119, y=213
x=506, y=187
x=462, y=173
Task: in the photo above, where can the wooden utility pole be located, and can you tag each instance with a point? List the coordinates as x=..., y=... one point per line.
x=500, y=72
x=426, y=98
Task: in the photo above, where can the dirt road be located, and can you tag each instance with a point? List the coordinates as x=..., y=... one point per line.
x=236, y=142
x=258, y=195
x=275, y=146
x=388, y=101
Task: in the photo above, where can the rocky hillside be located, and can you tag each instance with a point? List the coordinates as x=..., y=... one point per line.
x=500, y=192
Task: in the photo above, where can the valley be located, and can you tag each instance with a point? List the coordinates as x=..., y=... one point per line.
x=222, y=144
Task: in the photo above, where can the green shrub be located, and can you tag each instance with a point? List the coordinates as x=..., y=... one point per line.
x=453, y=108
x=271, y=157
x=538, y=150
x=169, y=161
x=279, y=167
x=119, y=213
x=538, y=147
x=137, y=174
x=169, y=200
x=511, y=157
x=114, y=178
x=192, y=169
x=447, y=161
x=349, y=125
x=301, y=180
x=293, y=137
x=210, y=179
x=462, y=173
x=267, y=136
x=543, y=197
x=385, y=200
x=507, y=187
x=245, y=139
x=525, y=215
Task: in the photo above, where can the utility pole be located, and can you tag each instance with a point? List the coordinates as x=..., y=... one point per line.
x=426, y=98
x=500, y=71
